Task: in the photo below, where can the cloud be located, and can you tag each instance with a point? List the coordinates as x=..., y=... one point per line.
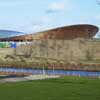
x=46, y=19
x=84, y=22
x=12, y=3
x=98, y=2
x=32, y=26
x=98, y=17
x=58, y=6
x=37, y=25
x=41, y=24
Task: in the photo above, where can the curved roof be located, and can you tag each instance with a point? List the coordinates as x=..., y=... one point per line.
x=66, y=32
x=9, y=33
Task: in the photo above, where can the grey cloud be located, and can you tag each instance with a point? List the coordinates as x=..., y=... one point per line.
x=51, y=11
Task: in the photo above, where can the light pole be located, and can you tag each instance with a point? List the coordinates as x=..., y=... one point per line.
x=53, y=66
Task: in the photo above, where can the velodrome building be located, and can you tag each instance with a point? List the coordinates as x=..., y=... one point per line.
x=65, y=32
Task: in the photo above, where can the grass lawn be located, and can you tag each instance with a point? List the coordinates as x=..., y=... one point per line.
x=63, y=88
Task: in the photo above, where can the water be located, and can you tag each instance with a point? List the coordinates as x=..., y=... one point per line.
x=49, y=71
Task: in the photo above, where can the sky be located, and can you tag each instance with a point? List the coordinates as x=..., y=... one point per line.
x=31, y=16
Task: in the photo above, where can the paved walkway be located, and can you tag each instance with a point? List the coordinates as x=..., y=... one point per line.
x=26, y=78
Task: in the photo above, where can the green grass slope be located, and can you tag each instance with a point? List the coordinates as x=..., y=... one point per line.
x=64, y=88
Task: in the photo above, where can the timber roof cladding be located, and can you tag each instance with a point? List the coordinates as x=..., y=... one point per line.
x=66, y=32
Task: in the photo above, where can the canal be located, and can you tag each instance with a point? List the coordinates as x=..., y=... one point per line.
x=49, y=71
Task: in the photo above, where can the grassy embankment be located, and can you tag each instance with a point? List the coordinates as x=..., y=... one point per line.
x=64, y=88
